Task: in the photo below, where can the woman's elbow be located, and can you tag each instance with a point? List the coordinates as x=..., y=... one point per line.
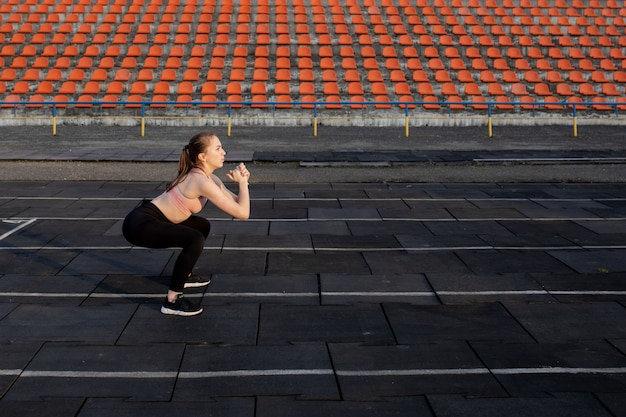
x=243, y=215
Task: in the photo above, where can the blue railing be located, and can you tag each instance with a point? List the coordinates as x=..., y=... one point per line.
x=489, y=106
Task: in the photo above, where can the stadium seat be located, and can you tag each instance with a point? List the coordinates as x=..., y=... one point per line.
x=586, y=89
x=91, y=88
x=68, y=88
x=431, y=103
x=610, y=90
x=542, y=89
x=115, y=88
x=308, y=89
x=425, y=89
x=599, y=104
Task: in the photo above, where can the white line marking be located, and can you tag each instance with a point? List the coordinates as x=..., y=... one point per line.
x=377, y=219
x=253, y=373
x=378, y=294
x=21, y=226
x=10, y=372
x=505, y=292
x=315, y=294
x=326, y=249
x=414, y=372
x=481, y=371
x=558, y=370
x=99, y=374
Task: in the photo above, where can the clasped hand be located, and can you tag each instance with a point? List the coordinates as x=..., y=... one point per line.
x=239, y=174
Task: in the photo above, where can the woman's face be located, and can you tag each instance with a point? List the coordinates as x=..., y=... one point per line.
x=213, y=155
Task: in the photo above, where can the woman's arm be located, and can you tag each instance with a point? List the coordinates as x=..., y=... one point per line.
x=216, y=192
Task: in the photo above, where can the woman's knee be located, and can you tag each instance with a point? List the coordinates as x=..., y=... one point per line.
x=195, y=241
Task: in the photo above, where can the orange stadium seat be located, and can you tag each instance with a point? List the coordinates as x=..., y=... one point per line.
x=505, y=45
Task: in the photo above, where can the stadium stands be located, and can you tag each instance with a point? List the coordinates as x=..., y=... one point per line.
x=314, y=50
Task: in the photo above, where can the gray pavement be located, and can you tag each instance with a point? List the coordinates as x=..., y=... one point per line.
x=488, y=277
x=467, y=154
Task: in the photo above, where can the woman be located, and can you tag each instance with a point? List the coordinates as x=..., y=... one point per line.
x=169, y=221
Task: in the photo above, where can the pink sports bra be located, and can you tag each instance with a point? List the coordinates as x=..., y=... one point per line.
x=186, y=205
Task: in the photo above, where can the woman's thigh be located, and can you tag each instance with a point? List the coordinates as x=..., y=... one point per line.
x=143, y=228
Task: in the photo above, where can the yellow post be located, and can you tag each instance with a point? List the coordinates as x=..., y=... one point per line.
x=315, y=126
x=54, y=126
x=406, y=126
x=490, y=127
x=575, y=128
x=143, y=126
x=229, y=124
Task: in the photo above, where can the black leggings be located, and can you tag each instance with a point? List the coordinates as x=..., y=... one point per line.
x=147, y=226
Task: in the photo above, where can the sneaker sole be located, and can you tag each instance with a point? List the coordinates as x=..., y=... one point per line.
x=197, y=284
x=171, y=312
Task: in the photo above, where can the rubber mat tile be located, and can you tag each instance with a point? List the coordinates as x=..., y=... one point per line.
x=288, y=406
x=614, y=402
x=483, y=227
x=129, y=288
x=437, y=203
x=234, y=227
x=564, y=228
x=280, y=263
x=227, y=262
x=386, y=227
x=458, y=193
x=226, y=407
x=343, y=213
x=330, y=242
x=29, y=233
x=134, y=372
x=374, y=372
x=347, y=289
x=557, y=213
x=88, y=234
x=35, y=263
x=277, y=213
x=413, y=262
x=525, y=241
x=606, y=227
x=299, y=241
x=406, y=191
x=388, y=213
x=331, y=227
x=593, y=260
x=137, y=261
x=51, y=407
x=511, y=261
x=474, y=288
x=537, y=368
x=485, y=213
x=305, y=203
x=572, y=204
x=289, y=324
x=71, y=289
x=511, y=203
x=599, y=286
x=303, y=370
x=571, y=404
x=565, y=322
x=379, y=204
x=356, y=192
x=228, y=324
x=35, y=322
x=413, y=324
x=449, y=242
x=283, y=289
